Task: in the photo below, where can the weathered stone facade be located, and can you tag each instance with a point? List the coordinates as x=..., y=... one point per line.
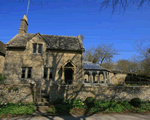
x=2, y=60
x=18, y=58
x=16, y=93
x=2, y=56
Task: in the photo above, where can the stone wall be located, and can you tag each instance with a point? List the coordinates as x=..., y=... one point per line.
x=118, y=78
x=99, y=92
x=27, y=93
x=2, y=60
x=16, y=93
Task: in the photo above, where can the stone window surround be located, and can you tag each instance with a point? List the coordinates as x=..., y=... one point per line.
x=48, y=73
x=37, y=48
x=63, y=71
x=26, y=72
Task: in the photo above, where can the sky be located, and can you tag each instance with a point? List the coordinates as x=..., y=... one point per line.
x=74, y=17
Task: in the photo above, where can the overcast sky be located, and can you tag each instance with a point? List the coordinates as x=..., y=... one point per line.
x=73, y=17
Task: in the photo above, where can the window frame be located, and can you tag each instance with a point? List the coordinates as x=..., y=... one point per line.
x=23, y=73
x=37, y=48
x=26, y=73
x=49, y=73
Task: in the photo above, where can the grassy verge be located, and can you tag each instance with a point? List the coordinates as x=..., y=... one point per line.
x=15, y=109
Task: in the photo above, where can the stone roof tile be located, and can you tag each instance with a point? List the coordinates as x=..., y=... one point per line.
x=53, y=41
x=92, y=66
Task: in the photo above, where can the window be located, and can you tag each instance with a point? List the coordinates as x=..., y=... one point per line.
x=48, y=73
x=37, y=48
x=45, y=72
x=29, y=72
x=40, y=48
x=34, y=48
x=26, y=72
x=23, y=72
x=51, y=73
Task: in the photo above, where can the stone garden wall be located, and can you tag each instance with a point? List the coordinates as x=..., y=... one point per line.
x=16, y=93
x=26, y=92
x=99, y=92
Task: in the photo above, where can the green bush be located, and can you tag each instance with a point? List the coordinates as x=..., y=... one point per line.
x=78, y=103
x=90, y=102
x=136, y=102
x=145, y=106
x=127, y=105
x=16, y=109
x=59, y=101
x=61, y=108
x=102, y=105
x=116, y=84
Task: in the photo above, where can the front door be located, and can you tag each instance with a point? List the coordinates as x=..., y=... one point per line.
x=68, y=76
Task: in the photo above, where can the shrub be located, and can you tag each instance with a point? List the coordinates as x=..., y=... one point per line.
x=116, y=84
x=16, y=109
x=60, y=108
x=136, y=102
x=59, y=101
x=90, y=101
x=78, y=103
x=127, y=105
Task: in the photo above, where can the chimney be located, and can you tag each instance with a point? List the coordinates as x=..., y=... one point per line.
x=23, y=25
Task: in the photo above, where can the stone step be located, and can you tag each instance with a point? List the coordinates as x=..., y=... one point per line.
x=43, y=104
x=44, y=94
x=43, y=108
x=45, y=99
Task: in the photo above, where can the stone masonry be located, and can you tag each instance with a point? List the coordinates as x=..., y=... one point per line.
x=2, y=60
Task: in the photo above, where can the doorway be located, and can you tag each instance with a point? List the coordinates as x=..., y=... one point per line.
x=68, y=76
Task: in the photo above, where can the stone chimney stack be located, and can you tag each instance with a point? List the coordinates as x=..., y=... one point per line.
x=24, y=25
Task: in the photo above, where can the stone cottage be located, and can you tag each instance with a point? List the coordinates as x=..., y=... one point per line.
x=2, y=56
x=53, y=58
x=32, y=57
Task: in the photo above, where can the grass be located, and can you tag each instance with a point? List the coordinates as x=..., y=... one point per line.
x=14, y=109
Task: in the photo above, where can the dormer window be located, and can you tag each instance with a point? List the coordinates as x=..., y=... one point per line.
x=37, y=48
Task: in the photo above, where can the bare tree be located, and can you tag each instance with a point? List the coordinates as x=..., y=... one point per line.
x=123, y=65
x=122, y=4
x=102, y=53
x=108, y=65
x=144, y=52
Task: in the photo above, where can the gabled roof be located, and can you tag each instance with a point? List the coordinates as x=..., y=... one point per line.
x=2, y=48
x=53, y=41
x=92, y=66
